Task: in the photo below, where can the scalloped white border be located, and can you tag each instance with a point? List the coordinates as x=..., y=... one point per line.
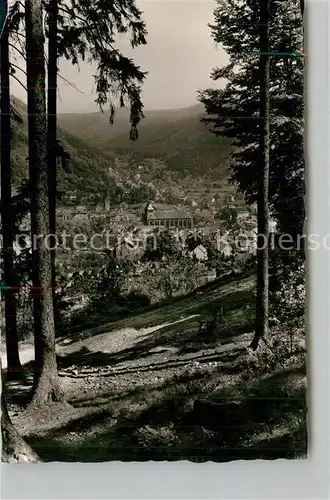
x=305, y=479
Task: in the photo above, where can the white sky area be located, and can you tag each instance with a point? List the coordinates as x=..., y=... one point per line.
x=179, y=56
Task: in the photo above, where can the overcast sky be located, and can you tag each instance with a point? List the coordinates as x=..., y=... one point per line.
x=179, y=57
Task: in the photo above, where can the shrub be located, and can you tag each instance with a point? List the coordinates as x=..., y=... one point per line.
x=157, y=437
x=138, y=299
x=287, y=304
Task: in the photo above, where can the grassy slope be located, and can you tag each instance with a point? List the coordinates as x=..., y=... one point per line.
x=228, y=292
x=143, y=411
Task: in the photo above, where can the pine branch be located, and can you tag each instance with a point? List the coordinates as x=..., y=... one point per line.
x=18, y=81
x=71, y=84
x=18, y=67
x=21, y=53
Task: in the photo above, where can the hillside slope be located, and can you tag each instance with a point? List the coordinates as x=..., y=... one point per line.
x=138, y=392
x=175, y=157
x=176, y=137
x=96, y=125
x=87, y=170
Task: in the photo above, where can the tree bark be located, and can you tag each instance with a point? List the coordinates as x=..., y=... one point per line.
x=14, y=368
x=262, y=203
x=52, y=129
x=14, y=448
x=302, y=7
x=46, y=381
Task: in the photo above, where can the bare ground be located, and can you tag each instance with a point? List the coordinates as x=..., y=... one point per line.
x=130, y=394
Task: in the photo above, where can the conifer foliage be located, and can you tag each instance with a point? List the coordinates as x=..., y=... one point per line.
x=234, y=111
x=89, y=31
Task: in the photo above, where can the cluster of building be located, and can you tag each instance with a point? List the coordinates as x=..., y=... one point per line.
x=167, y=216
x=134, y=227
x=80, y=213
x=153, y=214
x=129, y=244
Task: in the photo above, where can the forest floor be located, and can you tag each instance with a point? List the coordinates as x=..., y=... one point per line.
x=130, y=388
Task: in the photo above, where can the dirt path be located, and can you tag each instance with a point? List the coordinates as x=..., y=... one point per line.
x=131, y=387
x=115, y=341
x=105, y=343
x=91, y=386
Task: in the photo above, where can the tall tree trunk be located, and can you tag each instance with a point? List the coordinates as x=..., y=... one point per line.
x=263, y=210
x=52, y=129
x=14, y=448
x=302, y=7
x=46, y=381
x=14, y=368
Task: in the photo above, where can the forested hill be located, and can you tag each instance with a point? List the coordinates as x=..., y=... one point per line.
x=173, y=153
x=87, y=169
x=175, y=136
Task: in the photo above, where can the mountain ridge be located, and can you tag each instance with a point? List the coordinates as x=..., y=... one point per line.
x=176, y=137
x=176, y=158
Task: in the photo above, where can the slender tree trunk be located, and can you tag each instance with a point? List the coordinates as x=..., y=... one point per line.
x=14, y=368
x=46, y=381
x=263, y=210
x=14, y=447
x=302, y=7
x=52, y=129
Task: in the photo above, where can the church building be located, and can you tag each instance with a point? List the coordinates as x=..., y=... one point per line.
x=167, y=216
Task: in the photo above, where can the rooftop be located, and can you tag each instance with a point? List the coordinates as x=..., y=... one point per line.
x=164, y=211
